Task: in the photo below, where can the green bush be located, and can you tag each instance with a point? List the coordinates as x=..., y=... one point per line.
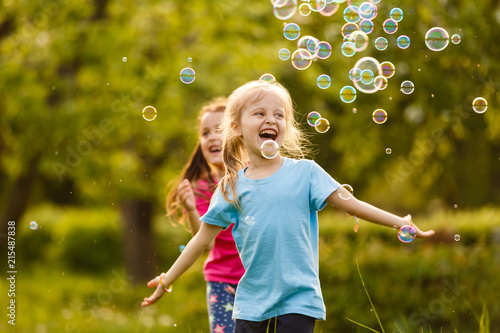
x=92, y=250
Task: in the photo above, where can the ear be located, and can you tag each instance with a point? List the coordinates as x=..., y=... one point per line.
x=236, y=129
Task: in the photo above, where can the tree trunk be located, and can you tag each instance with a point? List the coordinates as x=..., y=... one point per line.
x=140, y=256
x=16, y=199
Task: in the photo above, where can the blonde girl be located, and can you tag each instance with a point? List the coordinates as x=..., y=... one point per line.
x=272, y=205
x=189, y=199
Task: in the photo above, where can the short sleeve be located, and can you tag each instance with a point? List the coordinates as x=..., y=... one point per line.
x=220, y=212
x=321, y=186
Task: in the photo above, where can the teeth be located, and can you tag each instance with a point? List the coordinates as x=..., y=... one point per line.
x=270, y=132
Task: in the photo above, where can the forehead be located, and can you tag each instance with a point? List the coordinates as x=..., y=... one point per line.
x=211, y=119
x=266, y=98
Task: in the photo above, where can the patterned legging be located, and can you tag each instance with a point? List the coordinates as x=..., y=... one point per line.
x=220, y=301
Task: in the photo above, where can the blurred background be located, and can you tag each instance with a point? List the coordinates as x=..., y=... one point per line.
x=83, y=174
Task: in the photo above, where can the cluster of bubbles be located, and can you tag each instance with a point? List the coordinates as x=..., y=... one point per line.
x=322, y=125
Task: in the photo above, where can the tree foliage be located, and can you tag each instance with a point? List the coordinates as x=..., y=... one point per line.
x=71, y=104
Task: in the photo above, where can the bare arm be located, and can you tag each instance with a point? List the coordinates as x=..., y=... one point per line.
x=189, y=255
x=186, y=197
x=361, y=209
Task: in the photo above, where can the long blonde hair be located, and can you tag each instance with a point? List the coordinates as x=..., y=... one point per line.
x=196, y=168
x=234, y=154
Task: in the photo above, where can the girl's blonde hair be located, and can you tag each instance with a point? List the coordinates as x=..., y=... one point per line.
x=196, y=168
x=234, y=154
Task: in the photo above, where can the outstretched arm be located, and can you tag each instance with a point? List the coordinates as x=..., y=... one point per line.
x=189, y=255
x=348, y=203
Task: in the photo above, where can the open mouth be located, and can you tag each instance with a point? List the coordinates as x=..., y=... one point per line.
x=268, y=134
x=215, y=149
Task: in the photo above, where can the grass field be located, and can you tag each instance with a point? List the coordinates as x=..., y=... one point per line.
x=434, y=285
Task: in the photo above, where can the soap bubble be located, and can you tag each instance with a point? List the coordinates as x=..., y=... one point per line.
x=284, y=54
x=322, y=125
x=312, y=117
x=437, y=39
x=348, y=49
x=388, y=151
x=345, y=191
x=355, y=74
x=283, y=10
x=124, y=59
x=33, y=225
x=367, y=76
x=269, y=149
x=349, y=28
x=268, y=78
x=388, y=69
x=407, y=87
x=304, y=9
x=291, y=31
x=403, y=42
x=379, y=116
x=380, y=82
x=181, y=248
x=301, y=59
x=366, y=26
x=327, y=9
x=407, y=233
x=149, y=113
x=360, y=40
x=479, y=105
x=187, y=75
x=347, y=94
x=190, y=59
x=381, y=43
x=323, y=50
x=324, y=81
x=456, y=237
x=368, y=10
x=351, y=14
x=396, y=14
x=456, y=39
x=390, y=26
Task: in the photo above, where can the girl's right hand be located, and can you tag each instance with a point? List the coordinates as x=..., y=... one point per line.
x=157, y=294
x=186, y=195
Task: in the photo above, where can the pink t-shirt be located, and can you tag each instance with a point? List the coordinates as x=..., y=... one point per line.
x=223, y=263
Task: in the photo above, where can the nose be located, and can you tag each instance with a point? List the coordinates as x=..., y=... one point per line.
x=270, y=120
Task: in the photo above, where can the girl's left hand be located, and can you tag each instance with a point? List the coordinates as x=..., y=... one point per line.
x=186, y=195
x=158, y=293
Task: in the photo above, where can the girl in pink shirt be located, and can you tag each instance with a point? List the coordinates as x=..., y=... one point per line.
x=190, y=199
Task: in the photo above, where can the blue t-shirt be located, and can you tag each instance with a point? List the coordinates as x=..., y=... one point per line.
x=276, y=233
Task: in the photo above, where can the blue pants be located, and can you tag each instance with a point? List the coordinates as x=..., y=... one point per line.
x=220, y=301
x=288, y=323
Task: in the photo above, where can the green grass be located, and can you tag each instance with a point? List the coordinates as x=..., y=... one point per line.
x=434, y=285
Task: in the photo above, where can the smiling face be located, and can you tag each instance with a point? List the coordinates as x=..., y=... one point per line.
x=210, y=138
x=262, y=119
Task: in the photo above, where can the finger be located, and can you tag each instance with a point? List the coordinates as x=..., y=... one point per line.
x=154, y=282
x=425, y=234
x=147, y=301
